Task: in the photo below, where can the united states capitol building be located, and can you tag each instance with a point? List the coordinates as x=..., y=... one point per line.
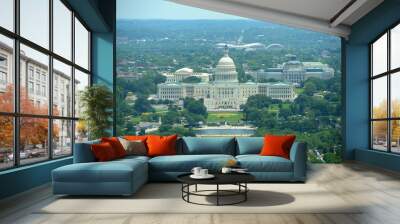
x=222, y=90
x=294, y=71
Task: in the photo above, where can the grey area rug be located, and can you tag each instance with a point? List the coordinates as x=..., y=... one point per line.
x=166, y=198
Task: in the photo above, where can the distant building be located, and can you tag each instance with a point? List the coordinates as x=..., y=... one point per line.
x=130, y=98
x=224, y=93
x=34, y=80
x=294, y=71
x=183, y=73
x=129, y=75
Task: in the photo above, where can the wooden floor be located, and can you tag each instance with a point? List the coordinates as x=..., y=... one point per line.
x=378, y=189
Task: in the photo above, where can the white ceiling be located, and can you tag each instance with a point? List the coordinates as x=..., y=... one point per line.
x=325, y=16
x=319, y=9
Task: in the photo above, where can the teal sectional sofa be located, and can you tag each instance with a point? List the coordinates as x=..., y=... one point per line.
x=125, y=176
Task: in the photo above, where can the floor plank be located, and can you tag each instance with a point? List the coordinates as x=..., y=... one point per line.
x=378, y=189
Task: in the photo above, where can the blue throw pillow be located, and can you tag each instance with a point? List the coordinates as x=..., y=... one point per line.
x=249, y=145
x=209, y=145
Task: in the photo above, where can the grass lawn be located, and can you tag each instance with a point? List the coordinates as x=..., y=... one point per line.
x=275, y=107
x=299, y=90
x=230, y=117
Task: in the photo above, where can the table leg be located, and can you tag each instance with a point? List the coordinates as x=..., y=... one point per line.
x=188, y=189
x=217, y=194
x=245, y=193
x=182, y=190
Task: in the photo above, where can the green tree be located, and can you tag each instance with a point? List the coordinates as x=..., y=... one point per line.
x=309, y=88
x=332, y=157
x=285, y=112
x=142, y=105
x=170, y=118
x=195, y=106
x=124, y=113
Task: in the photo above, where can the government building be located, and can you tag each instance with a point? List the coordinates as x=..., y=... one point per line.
x=294, y=71
x=223, y=92
x=35, y=82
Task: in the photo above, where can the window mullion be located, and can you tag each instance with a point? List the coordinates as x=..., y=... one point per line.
x=16, y=70
x=50, y=81
x=73, y=81
x=389, y=104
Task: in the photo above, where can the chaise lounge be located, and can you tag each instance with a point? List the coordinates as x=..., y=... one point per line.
x=125, y=176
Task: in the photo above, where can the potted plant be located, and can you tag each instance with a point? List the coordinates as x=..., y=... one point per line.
x=97, y=103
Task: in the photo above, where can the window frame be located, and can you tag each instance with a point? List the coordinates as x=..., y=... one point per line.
x=388, y=74
x=16, y=114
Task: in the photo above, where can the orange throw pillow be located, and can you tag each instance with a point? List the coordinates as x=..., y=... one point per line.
x=116, y=145
x=275, y=145
x=136, y=137
x=103, y=152
x=161, y=145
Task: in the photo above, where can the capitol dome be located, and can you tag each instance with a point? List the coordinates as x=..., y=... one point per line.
x=226, y=69
x=226, y=61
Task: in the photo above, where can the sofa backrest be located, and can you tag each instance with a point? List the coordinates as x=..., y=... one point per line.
x=83, y=152
x=190, y=146
x=208, y=145
x=249, y=145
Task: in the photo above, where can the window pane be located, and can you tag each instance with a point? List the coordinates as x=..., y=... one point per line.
x=379, y=135
x=6, y=142
x=395, y=129
x=6, y=75
x=7, y=14
x=395, y=94
x=379, y=100
x=34, y=97
x=62, y=89
x=62, y=29
x=33, y=139
x=379, y=55
x=81, y=131
x=395, y=47
x=81, y=82
x=81, y=45
x=62, y=138
x=35, y=21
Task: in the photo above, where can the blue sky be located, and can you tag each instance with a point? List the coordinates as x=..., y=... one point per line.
x=160, y=9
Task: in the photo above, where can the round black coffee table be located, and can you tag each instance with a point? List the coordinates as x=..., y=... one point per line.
x=238, y=179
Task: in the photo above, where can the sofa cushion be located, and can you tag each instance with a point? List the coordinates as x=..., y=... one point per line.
x=249, y=145
x=161, y=145
x=136, y=137
x=185, y=163
x=278, y=145
x=83, y=152
x=257, y=163
x=116, y=145
x=103, y=152
x=112, y=171
x=132, y=158
x=137, y=147
x=198, y=145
